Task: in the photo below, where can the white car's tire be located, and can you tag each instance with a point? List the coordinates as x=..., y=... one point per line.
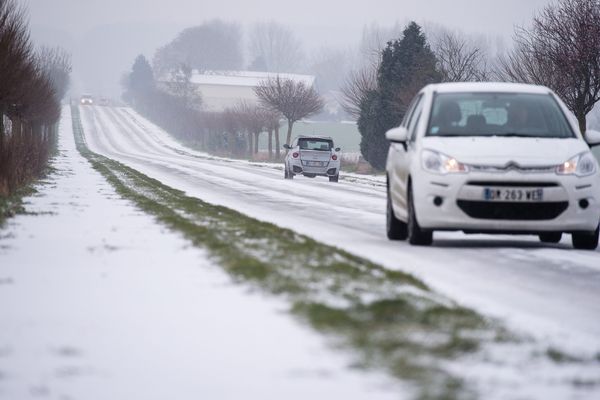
x=395, y=229
x=416, y=235
x=550, y=237
x=334, y=178
x=586, y=240
x=287, y=174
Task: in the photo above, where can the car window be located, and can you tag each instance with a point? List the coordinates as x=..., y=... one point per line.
x=414, y=119
x=315, y=144
x=498, y=114
x=409, y=110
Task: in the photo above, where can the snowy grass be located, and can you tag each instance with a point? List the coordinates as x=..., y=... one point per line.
x=12, y=204
x=388, y=319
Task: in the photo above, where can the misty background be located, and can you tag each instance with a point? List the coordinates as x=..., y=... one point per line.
x=105, y=36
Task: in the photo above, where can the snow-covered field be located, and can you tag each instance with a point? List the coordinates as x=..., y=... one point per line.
x=550, y=292
x=97, y=301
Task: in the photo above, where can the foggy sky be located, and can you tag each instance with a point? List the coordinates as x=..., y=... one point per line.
x=497, y=16
x=120, y=29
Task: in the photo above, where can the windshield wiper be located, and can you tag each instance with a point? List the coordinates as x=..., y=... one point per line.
x=513, y=134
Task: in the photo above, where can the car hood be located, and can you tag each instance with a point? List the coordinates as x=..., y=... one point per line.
x=498, y=151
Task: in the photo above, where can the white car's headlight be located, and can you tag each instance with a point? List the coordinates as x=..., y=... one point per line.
x=583, y=164
x=439, y=163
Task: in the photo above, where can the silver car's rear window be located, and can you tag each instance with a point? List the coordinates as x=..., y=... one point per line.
x=315, y=144
x=498, y=114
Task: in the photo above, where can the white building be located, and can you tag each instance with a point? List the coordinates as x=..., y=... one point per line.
x=223, y=89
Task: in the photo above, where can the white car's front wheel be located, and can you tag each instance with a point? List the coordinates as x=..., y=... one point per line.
x=395, y=229
x=586, y=240
x=550, y=237
x=416, y=235
x=287, y=174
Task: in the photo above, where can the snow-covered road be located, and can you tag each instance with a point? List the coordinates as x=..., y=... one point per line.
x=99, y=301
x=550, y=292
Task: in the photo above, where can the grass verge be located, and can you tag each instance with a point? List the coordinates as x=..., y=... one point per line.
x=13, y=204
x=387, y=319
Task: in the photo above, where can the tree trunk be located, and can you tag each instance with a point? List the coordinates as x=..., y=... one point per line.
x=277, y=144
x=289, y=132
x=231, y=144
x=250, y=144
x=16, y=127
x=1, y=129
x=270, y=144
x=256, y=135
x=1, y=126
x=582, y=123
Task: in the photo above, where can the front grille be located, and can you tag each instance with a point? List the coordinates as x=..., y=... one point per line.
x=512, y=184
x=512, y=211
x=513, y=167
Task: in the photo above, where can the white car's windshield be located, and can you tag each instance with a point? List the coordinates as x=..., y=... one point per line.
x=315, y=144
x=498, y=114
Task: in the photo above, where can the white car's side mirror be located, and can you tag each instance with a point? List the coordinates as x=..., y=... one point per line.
x=397, y=135
x=592, y=137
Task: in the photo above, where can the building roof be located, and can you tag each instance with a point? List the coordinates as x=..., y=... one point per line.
x=245, y=78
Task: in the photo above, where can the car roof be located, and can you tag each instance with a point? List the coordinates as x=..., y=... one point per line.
x=313, y=137
x=503, y=87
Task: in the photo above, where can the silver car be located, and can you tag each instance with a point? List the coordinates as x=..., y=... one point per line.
x=312, y=156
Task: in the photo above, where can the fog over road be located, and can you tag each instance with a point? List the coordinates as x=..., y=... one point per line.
x=551, y=292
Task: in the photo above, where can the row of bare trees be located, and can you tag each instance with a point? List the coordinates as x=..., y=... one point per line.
x=176, y=106
x=31, y=86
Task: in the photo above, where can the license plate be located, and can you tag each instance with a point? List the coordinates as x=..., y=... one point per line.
x=513, y=194
x=314, y=163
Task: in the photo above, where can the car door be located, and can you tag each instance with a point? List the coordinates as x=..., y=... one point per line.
x=401, y=157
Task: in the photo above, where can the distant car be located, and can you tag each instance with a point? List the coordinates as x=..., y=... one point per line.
x=104, y=101
x=312, y=156
x=492, y=158
x=87, y=100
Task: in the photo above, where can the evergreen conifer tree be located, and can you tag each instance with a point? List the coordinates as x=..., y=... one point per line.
x=406, y=66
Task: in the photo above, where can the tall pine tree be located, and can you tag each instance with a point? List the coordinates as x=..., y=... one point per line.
x=406, y=66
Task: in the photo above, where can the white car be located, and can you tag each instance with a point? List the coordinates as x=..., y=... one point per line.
x=492, y=158
x=312, y=156
x=86, y=99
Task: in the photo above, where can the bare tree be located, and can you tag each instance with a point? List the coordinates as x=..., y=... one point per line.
x=16, y=56
x=29, y=97
x=374, y=39
x=214, y=45
x=252, y=119
x=330, y=66
x=562, y=51
x=459, y=59
x=294, y=100
x=56, y=61
x=275, y=48
x=180, y=84
x=272, y=124
x=356, y=88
